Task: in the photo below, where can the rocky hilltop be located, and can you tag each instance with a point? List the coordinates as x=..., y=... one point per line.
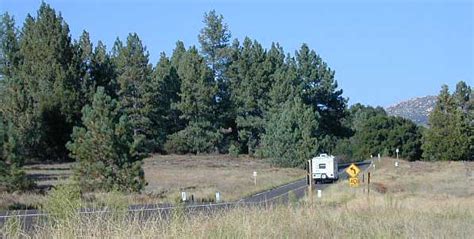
x=417, y=109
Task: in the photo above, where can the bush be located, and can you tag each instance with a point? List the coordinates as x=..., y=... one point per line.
x=63, y=203
x=234, y=150
x=197, y=137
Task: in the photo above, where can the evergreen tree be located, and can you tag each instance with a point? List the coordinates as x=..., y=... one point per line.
x=12, y=176
x=83, y=60
x=288, y=139
x=166, y=85
x=49, y=98
x=450, y=134
x=320, y=90
x=462, y=95
x=105, y=148
x=9, y=46
x=197, y=106
x=214, y=39
x=285, y=84
x=251, y=84
x=103, y=70
x=384, y=134
x=178, y=53
x=135, y=93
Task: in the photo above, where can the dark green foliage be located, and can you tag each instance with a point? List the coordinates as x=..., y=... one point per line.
x=288, y=140
x=12, y=177
x=319, y=89
x=197, y=106
x=105, y=148
x=250, y=87
x=197, y=137
x=374, y=132
x=43, y=94
x=166, y=87
x=136, y=94
x=9, y=46
x=450, y=133
x=358, y=114
x=214, y=41
x=384, y=134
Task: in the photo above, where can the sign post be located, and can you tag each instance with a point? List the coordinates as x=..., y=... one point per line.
x=310, y=179
x=368, y=183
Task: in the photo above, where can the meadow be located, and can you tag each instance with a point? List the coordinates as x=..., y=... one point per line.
x=414, y=200
x=167, y=176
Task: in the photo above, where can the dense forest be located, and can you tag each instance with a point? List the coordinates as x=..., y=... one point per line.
x=64, y=99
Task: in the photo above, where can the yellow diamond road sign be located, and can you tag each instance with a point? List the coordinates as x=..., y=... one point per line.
x=352, y=170
x=354, y=182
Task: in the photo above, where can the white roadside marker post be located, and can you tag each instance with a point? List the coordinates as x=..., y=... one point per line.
x=183, y=196
x=396, y=162
x=255, y=177
x=218, y=197
x=320, y=193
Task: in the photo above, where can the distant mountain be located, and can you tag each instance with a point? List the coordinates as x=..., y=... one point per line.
x=416, y=110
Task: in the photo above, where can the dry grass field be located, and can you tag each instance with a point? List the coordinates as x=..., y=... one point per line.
x=415, y=200
x=203, y=176
x=167, y=176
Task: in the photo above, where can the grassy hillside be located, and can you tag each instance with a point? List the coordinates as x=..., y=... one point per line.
x=415, y=200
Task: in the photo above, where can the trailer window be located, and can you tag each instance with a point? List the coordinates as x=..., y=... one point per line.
x=322, y=166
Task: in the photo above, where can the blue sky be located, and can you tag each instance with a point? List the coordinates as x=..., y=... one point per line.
x=383, y=51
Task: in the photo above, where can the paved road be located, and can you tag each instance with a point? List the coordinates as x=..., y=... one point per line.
x=299, y=188
x=29, y=218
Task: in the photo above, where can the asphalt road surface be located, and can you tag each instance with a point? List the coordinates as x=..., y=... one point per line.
x=30, y=218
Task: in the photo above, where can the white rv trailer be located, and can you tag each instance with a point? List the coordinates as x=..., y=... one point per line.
x=324, y=168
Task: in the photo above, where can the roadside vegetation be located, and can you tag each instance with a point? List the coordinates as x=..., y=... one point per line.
x=108, y=109
x=415, y=200
x=167, y=176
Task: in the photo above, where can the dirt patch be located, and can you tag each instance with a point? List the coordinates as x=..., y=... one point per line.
x=380, y=187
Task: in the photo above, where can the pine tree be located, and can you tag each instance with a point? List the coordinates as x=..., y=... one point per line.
x=178, y=53
x=16, y=105
x=103, y=70
x=320, y=90
x=105, y=148
x=464, y=100
x=288, y=139
x=448, y=136
x=83, y=60
x=383, y=134
x=166, y=85
x=12, y=176
x=214, y=39
x=9, y=48
x=49, y=100
x=250, y=86
x=135, y=96
x=197, y=107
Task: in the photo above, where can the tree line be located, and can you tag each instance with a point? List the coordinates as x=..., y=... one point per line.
x=65, y=99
